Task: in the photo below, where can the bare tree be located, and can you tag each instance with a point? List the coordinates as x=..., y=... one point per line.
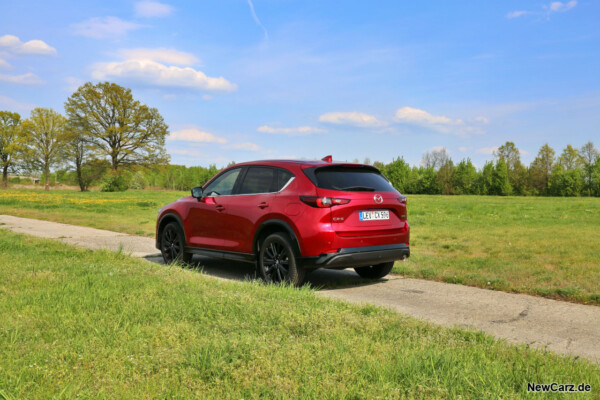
x=435, y=158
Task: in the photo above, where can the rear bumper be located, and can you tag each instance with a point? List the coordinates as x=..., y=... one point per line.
x=358, y=256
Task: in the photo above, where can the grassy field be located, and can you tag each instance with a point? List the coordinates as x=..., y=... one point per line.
x=78, y=323
x=543, y=246
x=131, y=212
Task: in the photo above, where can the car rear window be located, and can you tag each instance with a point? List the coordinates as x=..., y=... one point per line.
x=351, y=179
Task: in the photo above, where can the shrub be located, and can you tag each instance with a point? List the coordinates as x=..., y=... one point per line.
x=138, y=182
x=115, y=183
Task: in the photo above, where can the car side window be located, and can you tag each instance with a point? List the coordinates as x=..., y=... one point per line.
x=258, y=180
x=283, y=176
x=224, y=184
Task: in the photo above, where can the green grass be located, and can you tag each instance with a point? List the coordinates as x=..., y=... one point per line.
x=82, y=323
x=542, y=246
x=132, y=212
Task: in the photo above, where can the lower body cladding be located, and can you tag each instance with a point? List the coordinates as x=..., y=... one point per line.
x=357, y=257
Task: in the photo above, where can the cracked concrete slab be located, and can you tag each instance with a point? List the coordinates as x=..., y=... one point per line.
x=562, y=327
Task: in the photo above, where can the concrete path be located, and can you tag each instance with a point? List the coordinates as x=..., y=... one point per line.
x=561, y=327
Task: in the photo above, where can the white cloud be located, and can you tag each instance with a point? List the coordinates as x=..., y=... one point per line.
x=553, y=7
x=170, y=56
x=351, y=118
x=523, y=152
x=488, y=150
x=14, y=45
x=516, y=14
x=105, y=27
x=299, y=131
x=244, y=146
x=4, y=64
x=440, y=123
x=420, y=117
x=462, y=149
x=196, y=135
x=152, y=9
x=255, y=18
x=557, y=6
x=24, y=79
x=152, y=73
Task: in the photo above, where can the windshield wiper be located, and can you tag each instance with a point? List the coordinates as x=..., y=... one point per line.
x=358, y=189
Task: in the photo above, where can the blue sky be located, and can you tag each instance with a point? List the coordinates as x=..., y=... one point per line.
x=244, y=80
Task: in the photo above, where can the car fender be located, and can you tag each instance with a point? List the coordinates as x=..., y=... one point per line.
x=280, y=223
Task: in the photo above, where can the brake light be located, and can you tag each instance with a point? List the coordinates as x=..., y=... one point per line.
x=323, y=202
x=402, y=199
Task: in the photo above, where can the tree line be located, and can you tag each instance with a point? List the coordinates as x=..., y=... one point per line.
x=108, y=138
x=575, y=172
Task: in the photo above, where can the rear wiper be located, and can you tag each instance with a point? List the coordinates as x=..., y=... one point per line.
x=358, y=189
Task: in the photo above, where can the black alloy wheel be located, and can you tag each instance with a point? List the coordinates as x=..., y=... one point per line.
x=172, y=245
x=277, y=261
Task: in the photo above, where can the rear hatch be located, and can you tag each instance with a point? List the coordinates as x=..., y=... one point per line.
x=374, y=206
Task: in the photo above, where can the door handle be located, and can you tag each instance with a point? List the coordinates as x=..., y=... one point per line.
x=220, y=207
x=263, y=204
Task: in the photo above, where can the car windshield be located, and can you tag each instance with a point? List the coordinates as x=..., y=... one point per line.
x=354, y=179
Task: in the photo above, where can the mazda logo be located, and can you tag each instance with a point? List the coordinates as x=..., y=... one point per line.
x=378, y=199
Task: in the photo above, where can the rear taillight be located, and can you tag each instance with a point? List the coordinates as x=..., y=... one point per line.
x=323, y=202
x=402, y=199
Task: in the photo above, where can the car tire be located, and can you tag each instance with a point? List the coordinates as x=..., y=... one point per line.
x=375, y=271
x=277, y=261
x=172, y=244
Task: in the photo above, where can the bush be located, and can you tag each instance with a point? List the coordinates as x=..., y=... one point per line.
x=138, y=182
x=115, y=183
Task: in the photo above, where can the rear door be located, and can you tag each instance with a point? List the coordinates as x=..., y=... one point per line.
x=374, y=208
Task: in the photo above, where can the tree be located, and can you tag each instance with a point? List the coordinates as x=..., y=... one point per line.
x=541, y=169
x=435, y=158
x=500, y=182
x=570, y=159
x=120, y=128
x=445, y=178
x=465, y=177
x=596, y=178
x=77, y=150
x=12, y=142
x=517, y=173
x=484, y=183
x=397, y=172
x=46, y=138
x=589, y=155
x=565, y=182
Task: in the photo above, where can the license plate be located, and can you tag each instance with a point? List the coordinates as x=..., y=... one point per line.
x=374, y=215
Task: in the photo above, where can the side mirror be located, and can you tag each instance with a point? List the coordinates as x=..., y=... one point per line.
x=197, y=192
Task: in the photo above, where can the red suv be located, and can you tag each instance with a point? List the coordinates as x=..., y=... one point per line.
x=290, y=217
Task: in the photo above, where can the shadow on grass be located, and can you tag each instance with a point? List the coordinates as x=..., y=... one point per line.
x=321, y=279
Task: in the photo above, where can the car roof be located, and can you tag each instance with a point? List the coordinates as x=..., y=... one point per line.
x=299, y=163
